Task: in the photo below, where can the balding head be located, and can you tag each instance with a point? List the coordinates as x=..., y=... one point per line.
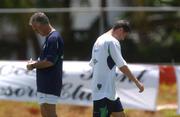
x=40, y=18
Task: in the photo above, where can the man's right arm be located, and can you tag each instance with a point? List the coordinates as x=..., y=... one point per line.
x=39, y=64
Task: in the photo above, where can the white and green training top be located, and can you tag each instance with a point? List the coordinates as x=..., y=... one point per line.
x=106, y=56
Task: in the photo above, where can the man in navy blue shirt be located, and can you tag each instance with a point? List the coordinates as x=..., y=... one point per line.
x=48, y=66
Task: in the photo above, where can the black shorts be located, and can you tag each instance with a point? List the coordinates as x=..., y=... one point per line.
x=104, y=107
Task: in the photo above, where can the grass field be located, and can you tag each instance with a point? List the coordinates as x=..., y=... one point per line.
x=167, y=94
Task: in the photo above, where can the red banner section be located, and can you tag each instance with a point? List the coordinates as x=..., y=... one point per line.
x=167, y=74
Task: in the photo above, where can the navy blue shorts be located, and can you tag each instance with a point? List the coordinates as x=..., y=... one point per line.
x=104, y=107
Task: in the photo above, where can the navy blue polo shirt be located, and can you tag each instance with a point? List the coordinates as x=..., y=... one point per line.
x=49, y=80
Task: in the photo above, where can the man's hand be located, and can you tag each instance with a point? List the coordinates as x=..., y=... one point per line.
x=30, y=66
x=140, y=86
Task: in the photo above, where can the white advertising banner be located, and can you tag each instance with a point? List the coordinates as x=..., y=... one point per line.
x=16, y=83
x=177, y=71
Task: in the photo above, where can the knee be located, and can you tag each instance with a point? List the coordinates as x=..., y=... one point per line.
x=48, y=110
x=118, y=114
x=48, y=114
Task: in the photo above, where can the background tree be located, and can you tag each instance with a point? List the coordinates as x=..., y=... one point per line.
x=155, y=36
x=158, y=33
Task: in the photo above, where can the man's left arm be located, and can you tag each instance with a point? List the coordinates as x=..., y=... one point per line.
x=124, y=69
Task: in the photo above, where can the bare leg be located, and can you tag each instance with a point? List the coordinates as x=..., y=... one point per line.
x=118, y=114
x=48, y=110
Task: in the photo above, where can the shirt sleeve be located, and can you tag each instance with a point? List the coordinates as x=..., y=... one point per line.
x=91, y=62
x=52, y=53
x=115, y=52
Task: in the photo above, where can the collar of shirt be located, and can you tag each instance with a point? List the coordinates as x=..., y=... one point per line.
x=52, y=30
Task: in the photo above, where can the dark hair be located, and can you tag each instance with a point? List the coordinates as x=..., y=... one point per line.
x=39, y=17
x=122, y=24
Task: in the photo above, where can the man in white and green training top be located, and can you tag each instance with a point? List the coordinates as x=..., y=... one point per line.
x=106, y=56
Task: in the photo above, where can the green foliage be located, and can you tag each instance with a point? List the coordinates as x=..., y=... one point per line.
x=170, y=113
x=157, y=32
x=16, y=3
